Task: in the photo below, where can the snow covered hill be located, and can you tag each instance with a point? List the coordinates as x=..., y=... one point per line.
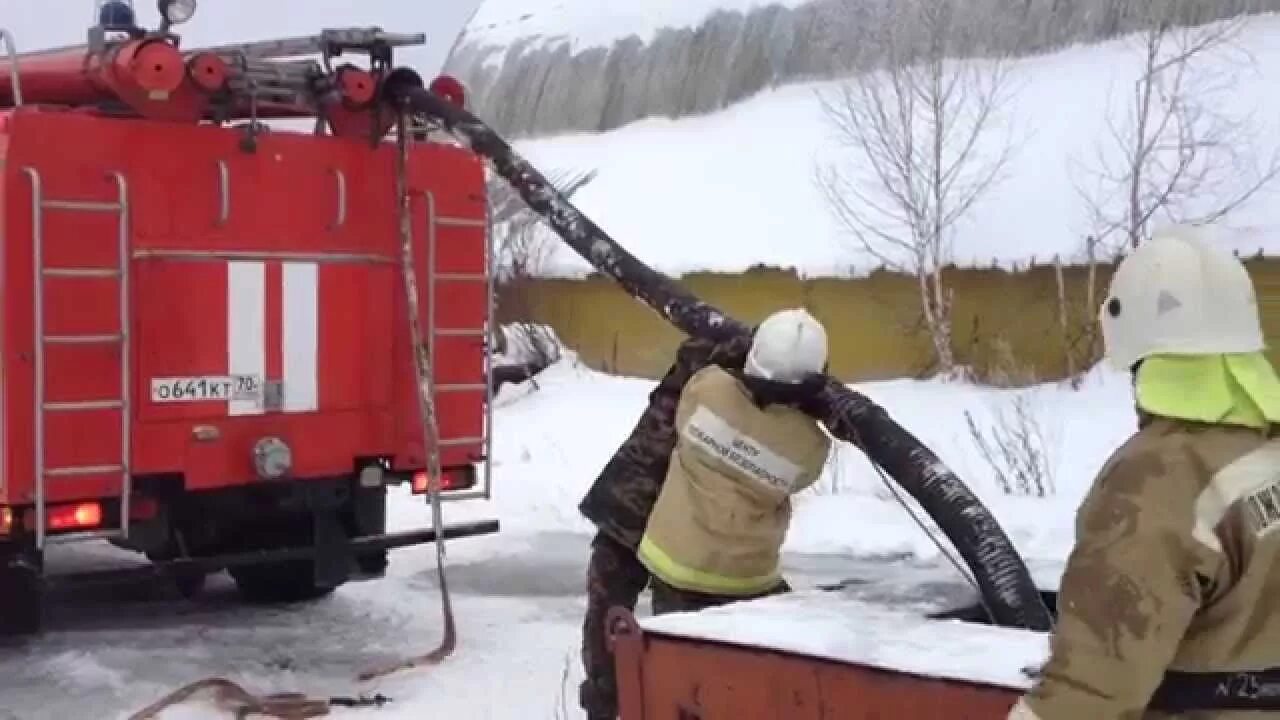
x=501, y=23
x=540, y=67
x=736, y=189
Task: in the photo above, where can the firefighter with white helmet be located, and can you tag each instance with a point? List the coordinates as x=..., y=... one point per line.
x=743, y=448
x=1170, y=602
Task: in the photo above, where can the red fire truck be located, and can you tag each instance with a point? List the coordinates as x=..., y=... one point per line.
x=206, y=350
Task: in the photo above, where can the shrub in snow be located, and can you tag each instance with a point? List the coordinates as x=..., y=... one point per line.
x=1015, y=445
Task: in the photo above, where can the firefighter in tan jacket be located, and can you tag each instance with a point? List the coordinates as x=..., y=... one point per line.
x=742, y=450
x=1170, y=603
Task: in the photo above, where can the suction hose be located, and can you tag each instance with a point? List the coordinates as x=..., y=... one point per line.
x=1008, y=590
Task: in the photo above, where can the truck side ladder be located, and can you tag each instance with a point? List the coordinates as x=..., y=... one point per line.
x=435, y=278
x=43, y=408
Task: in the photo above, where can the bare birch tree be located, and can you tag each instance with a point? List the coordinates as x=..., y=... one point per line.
x=921, y=157
x=521, y=248
x=1174, y=151
x=1177, y=153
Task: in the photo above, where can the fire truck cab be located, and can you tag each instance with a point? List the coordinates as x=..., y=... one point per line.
x=205, y=348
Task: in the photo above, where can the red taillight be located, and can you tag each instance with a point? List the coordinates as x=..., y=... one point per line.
x=451, y=89
x=81, y=516
x=453, y=479
x=6, y=521
x=75, y=517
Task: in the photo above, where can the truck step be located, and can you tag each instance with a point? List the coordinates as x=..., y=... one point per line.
x=82, y=537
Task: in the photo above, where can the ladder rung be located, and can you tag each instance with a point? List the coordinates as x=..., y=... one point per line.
x=81, y=205
x=453, y=442
x=460, y=332
x=82, y=339
x=82, y=272
x=79, y=470
x=461, y=222
x=462, y=277
x=84, y=405
x=461, y=387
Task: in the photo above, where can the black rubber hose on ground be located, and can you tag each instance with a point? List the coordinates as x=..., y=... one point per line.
x=1008, y=590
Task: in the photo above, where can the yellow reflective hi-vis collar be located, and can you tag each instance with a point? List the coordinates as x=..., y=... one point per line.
x=1232, y=389
x=657, y=561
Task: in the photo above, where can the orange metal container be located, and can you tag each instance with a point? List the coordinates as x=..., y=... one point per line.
x=728, y=673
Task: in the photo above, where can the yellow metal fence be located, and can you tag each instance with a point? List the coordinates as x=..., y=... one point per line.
x=874, y=323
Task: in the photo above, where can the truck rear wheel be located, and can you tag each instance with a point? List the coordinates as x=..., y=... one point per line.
x=279, y=582
x=294, y=580
x=21, y=592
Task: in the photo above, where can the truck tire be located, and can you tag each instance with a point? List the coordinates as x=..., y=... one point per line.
x=189, y=583
x=281, y=581
x=21, y=594
x=289, y=581
x=373, y=563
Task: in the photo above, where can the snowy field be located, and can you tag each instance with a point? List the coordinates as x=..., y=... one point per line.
x=737, y=188
x=519, y=594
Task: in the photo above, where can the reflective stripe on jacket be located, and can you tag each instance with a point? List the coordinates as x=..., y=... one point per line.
x=721, y=518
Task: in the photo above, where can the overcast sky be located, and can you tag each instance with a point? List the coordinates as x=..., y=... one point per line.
x=45, y=23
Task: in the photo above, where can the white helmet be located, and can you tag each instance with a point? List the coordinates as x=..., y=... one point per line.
x=1179, y=294
x=787, y=346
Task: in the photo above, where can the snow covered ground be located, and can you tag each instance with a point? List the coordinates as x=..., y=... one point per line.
x=519, y=593
x=736, y=189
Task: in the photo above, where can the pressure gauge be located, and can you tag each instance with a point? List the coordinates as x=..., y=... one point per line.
x=177, y=12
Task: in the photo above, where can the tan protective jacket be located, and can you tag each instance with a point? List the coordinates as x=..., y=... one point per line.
x=724, y=509
x=1176, y=567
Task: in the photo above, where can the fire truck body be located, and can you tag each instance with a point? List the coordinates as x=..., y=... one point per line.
x=206, y=352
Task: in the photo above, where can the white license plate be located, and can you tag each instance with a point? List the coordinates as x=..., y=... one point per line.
x=206, y=389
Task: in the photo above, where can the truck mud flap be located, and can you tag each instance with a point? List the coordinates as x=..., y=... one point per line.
x=334, y=556
x=215, y=563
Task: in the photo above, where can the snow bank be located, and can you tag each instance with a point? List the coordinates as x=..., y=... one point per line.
x=589, y=23
x=736, y=189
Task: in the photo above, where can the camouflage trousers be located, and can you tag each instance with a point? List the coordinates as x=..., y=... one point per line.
x=615, y=578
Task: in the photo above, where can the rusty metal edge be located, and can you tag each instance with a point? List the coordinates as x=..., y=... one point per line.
x=626, y=640
x=646, y=637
